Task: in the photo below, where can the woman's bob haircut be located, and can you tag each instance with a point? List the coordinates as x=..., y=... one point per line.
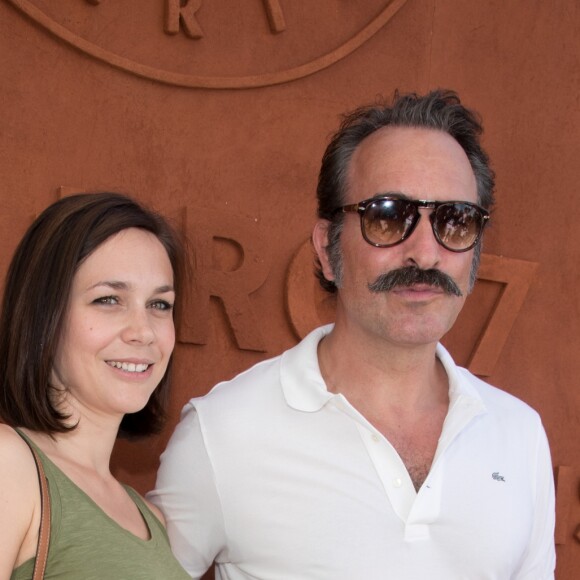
x=35, y=303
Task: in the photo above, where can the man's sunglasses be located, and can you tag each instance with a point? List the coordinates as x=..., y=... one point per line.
x=387, y=221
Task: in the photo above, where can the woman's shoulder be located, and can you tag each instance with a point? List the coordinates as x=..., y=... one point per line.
x=16, y=459
x=14, y=451
x=139, y=499
x=155, y=511
x=20, y=499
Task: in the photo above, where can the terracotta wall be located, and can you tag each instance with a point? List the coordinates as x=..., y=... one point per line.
x=217, y=114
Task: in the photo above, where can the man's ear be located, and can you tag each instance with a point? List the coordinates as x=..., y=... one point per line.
x=320, y=243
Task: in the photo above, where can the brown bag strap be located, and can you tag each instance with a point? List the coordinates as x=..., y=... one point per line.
x=44, y=531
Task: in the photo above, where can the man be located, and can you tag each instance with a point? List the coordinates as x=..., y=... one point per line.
x=365, y=452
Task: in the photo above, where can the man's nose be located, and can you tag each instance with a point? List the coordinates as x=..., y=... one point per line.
x=421, y=248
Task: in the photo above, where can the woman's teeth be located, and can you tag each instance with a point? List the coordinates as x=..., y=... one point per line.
x=129, y=367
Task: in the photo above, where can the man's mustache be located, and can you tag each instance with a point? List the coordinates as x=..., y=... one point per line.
x=411, y=275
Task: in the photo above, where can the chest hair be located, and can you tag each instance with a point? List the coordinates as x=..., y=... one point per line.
x=415, y=439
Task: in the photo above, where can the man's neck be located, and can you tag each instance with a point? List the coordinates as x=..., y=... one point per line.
x=381, y=372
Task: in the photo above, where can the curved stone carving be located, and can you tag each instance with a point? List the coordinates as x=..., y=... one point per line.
x=217, y=82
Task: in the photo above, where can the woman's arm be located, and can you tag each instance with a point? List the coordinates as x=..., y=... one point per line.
x=19, y=502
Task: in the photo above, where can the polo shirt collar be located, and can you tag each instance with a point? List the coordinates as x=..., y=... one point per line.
x=460, y=390
x=302, y=383
x=305, y=390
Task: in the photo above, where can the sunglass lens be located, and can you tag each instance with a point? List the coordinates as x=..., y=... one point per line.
x=457, y=225
x=387, y=221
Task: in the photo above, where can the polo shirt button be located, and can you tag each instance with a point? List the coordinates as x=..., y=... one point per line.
x=397, y=482
x=376, y=438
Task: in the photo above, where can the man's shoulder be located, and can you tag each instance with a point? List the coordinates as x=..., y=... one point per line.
x=236, y=410
x=498, y=399
x=259, y=376
x=243, y=389
x=258, y=384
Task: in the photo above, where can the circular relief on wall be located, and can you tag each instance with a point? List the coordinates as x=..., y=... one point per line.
x=218, y=45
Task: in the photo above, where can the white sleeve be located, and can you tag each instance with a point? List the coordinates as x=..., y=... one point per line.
x=540, y=560
x=186, y=494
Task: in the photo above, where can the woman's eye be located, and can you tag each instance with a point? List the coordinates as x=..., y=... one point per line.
x=106, y=300
x=161, y=305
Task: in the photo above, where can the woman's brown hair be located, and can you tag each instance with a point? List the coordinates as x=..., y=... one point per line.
x=36, y=295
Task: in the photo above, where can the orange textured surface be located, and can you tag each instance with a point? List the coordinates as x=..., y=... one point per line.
x=237, y=166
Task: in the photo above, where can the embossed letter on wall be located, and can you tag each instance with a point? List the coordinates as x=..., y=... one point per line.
x=231, y=261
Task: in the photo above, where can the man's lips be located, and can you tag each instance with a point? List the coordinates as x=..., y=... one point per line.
x=418, y=293
x=419, y=289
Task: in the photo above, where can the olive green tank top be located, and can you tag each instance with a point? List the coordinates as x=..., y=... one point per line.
x=86, y=544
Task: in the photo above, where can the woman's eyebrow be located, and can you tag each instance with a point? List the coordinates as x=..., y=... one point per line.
x=118, y=285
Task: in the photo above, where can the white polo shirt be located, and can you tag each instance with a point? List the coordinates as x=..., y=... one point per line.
x=276, y=478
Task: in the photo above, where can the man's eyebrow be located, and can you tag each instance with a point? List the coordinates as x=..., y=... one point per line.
x=397, y=194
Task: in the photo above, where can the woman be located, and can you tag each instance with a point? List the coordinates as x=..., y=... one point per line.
x=86, y=337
